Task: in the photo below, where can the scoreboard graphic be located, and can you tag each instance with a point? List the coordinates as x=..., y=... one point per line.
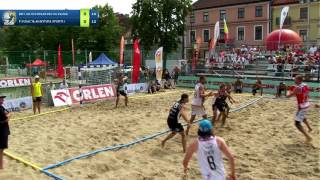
x=82, y=18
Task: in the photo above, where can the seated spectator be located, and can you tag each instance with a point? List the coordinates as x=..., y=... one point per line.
x=238, y=86
x=313, y=49
x=281, y=88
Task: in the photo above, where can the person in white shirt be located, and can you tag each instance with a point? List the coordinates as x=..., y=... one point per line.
x=197, y=105
x=313, y=49
x=63, y=85
x=209, y=149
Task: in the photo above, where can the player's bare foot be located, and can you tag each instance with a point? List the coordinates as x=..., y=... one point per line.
x=162, y=144
x=310, y=130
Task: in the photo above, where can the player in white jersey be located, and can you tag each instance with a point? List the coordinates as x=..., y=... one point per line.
x=209, y=148
x=197, y=105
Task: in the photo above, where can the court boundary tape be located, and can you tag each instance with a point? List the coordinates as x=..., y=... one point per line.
x=120, y=146
x=67, y=108
x=32, y=165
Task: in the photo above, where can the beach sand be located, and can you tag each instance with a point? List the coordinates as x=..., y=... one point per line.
x=262, y=137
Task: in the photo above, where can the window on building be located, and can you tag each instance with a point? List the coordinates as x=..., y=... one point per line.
x=303, y=34
x=304, y=13
x=221, y=35
x=205, y=17
x=192, y=18
x=240, y=13
x=193, y=36
x=259, y=10
x=240, y=33
x=206, y=35
x=258, y=33
x=222, y=14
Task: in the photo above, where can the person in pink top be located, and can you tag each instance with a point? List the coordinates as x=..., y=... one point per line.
x=301, y=91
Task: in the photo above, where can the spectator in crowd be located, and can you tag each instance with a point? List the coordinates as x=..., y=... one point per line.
x=313, y=49
x=281, y=88
x=4, y=129
x=50, y=87
x=36, y=93
x=244, y=49
x=175, y=76
x=238, y=86
x=63, y=84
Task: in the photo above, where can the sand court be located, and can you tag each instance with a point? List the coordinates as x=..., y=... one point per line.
x=262, y=137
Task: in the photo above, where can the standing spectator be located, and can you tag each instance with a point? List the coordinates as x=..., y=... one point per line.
x=63, y=84
x=36, y=93
x=4, y=130
x=50, y=87
x=175, y=76
x=238, y=86
x=257, y=86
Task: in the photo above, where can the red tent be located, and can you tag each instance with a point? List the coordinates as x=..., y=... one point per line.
x=288, y=37
x=37, y=62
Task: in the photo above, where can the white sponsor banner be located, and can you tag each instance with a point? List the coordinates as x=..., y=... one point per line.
x=18, y=104
x=15, y=82
x=131, y=89
x=63, y=97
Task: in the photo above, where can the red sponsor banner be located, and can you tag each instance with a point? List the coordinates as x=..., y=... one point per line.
x=71, y=96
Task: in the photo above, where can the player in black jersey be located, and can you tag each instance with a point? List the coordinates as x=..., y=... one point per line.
x=177, y=111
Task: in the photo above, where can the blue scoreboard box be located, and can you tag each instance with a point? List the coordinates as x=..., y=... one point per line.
x=82, y=18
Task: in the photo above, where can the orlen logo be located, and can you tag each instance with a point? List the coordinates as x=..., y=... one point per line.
x=62, y=96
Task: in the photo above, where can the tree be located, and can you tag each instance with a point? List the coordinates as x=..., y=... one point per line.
x=160, y=22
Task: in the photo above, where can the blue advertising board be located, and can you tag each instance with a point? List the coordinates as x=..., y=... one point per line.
x=83, y=17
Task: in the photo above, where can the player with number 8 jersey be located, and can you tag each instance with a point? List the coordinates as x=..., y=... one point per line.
x=209, y=148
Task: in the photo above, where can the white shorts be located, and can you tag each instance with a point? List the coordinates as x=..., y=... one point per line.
x=198, y=110
x=300, y=115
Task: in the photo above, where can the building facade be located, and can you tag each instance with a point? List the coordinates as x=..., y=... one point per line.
x=248, y=22
x=303, y=18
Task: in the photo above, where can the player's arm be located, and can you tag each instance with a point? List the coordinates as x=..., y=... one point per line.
x=184, y=114
x=231, y=98
x=31, y=87
x=227, y=152
x=203, y=93
x=293, y=93
x=190, y=150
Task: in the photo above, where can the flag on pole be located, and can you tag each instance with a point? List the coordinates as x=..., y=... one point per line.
x=60, y=66
x=226, y=31
x=216, y=33
x=90, y=57
x=121, y=51
x=73, y=58
x=284, y=13
x=136, y=62
x=159, y=68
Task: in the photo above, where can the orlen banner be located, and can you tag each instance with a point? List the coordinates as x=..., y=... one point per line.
x=70, y=96
x=15, y=82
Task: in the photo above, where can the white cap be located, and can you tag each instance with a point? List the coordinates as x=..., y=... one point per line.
x=36, y=77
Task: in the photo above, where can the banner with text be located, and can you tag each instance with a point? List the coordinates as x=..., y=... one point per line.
x=131, y=89
x=70, y=96
x=15, y=82
x=19, y=104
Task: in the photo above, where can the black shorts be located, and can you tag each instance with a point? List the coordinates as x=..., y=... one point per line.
x=122, y=93
x=3, y=142
x=220, y=106
x=37, y=99
x=175, y=127
x=238, y=90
